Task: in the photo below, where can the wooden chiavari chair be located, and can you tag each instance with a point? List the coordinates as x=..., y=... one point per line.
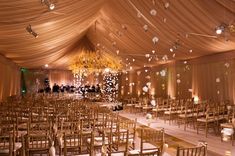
x=119, y=136
x=9, y=146
x=6, y=145
x=200, y=150
x=151, y=143
x=230, y=124
x=87, y=143
x=172, y=112
x=37, y=144
x=210, y=120
x=187, y=115
x=130, y=104
x=71, y=143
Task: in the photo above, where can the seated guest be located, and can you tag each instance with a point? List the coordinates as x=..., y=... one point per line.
x=72, y=89
x=87, y=88
x=67, y=88
x=55, y=88
x=97, y=88
x=93, y=88
x=62, y=88
x=83, y=90
x=48, y=89
x=40, y=91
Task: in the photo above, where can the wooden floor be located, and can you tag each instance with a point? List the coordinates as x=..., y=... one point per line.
x=176, y=136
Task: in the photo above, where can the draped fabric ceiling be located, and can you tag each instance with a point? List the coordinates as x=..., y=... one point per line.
x=115, y=26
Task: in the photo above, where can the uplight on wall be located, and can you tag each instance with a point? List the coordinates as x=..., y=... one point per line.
x=122, y=91
x=195, y=99
x=138, y=93
x=152, y=91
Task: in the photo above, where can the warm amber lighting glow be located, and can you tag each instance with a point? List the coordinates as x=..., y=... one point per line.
x=153, y=91
x=90, y=62
x=196, y=99
x=138, y=92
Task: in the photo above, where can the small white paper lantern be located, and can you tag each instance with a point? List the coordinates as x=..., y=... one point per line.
x=178, y=81
x=148, y=84
x=153, y=103
x=163, y=73
x=149, y=116
x=145, y=89
x=155, y=39
x=153, y=12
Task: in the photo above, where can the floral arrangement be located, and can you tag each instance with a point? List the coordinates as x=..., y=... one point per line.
x=94, y=61
x=149, y=116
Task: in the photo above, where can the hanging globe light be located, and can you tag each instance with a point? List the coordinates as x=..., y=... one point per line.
x=145, y=89
x=155, y=40
x=153, y=12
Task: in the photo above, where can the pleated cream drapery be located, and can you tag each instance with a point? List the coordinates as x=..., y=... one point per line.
x=132, y=82
x=208, y=78
x=9, y=78
x=214, y=81
x=213, y=77
x=60, y=77
x=171, y=87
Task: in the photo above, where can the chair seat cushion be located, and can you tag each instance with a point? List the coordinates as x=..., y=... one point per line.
x=18, y=145
x=117, y=154
x=38, y=144
x=145, y=151
x=226, y=125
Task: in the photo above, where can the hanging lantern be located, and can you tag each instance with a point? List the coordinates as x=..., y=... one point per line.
x=178, y=81
x=155, y=40
x=153, y=12
x=145, y=27
x=153, y=103
x=145, y=89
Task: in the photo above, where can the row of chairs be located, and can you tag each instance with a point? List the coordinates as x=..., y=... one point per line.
x=67, y=126
x=64, y=126
x=199, y=115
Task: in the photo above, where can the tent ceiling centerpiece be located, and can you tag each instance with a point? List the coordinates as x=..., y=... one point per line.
x=87, y=62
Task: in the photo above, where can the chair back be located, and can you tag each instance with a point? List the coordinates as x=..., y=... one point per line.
x=151, y=137
x=193, y=151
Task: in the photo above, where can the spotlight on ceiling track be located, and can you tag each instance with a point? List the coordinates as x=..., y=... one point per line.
x=220, y=29
x=175, y=46
x=30, y=30
x=48, y=3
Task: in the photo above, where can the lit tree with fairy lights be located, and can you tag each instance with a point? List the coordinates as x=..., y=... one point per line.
x=110, y=86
